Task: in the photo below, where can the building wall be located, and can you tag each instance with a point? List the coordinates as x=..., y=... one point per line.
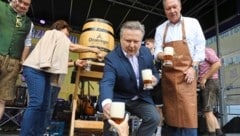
x=229, y=49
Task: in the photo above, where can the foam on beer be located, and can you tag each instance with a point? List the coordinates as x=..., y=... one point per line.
x=117, y=110
x=147, y=74
x=168, y=51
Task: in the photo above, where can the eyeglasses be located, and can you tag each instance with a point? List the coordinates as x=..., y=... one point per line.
x=18, y=21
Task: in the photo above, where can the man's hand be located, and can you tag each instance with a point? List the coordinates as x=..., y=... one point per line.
x=190, y=75
x=202, y=82
x=106, y=110
x=154, y=81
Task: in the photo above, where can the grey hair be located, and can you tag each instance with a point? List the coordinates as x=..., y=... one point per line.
x=132, y=25
x=164, y=1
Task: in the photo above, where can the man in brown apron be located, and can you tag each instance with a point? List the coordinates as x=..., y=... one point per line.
x=185, y=36
x=179, y=90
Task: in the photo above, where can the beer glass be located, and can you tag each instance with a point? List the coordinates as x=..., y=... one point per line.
x=168, y=56
x=147, y=79
x=117, y=112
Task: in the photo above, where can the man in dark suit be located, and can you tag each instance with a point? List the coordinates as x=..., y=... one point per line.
x=122, y=79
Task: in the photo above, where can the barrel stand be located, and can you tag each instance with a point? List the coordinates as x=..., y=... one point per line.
x=85, y=125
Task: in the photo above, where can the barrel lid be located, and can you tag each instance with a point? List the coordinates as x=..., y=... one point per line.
x=99, y=20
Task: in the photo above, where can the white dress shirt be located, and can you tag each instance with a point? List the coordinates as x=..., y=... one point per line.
x=194, y=36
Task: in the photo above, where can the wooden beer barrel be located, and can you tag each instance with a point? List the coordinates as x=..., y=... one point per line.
x=98, y=33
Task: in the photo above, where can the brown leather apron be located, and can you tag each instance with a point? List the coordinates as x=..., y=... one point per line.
x=179, y=97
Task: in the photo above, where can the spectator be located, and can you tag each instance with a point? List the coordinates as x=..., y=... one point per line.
x=149, y=43
x=209, y=87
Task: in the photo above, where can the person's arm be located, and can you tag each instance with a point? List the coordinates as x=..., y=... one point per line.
x=122, y=128
x=28, y=44
x=81, y=48
x=79, y=63
x=158, y=40
x=212, y=70
x=106, y=108
x=215, y=63
x=199, y=43
x=160, y=56
x=25, y=53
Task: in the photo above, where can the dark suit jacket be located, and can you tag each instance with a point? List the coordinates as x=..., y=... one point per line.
x=119, y=80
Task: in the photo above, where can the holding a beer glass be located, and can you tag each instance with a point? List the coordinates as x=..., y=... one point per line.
x=168, y=56
x=122, y=79
x=117, y=112
x=147, y=79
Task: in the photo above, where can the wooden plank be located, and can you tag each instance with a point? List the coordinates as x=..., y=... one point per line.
x=88, y=124
x=91, y=75
x=96, y=63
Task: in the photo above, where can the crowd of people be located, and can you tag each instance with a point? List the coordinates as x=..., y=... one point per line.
x=178, y=83
x=172, y=102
